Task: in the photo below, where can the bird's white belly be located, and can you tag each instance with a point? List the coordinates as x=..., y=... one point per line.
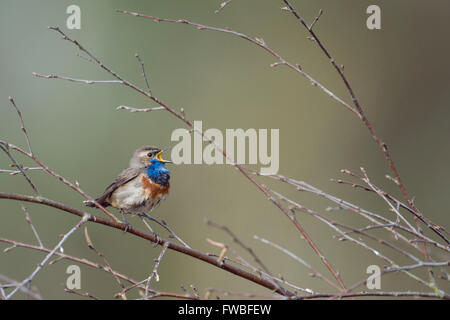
x=131, y=198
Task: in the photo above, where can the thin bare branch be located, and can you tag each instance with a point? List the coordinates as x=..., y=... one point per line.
x=222, y=5
x=257, y=41
x=13, y=283
x=28, y=218
x=61, y=256
x=314, y=273
x=101, y=255
x=131, y=109
x=419, y=265
x=53, y=76
x=5, y=148
x=15, y=172
x=359, y=109
x=154, y=272
x=240, y=243
x=164, y=224
x=316, y=19
x=56, y=175
x=85, y=218
x=22, y=127
x=144, y=75
x=84, y=294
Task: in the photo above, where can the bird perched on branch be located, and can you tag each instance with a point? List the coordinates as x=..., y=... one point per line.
x=139, y=188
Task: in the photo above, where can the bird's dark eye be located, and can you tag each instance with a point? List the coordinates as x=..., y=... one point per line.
x=150, y=154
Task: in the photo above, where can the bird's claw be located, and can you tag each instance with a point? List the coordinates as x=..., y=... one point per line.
x=157, y=239
x=127, y=227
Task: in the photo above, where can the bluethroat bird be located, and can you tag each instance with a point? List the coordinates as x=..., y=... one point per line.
x=139, y=188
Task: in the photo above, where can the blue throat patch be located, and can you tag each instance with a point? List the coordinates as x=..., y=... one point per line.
x=158, y=173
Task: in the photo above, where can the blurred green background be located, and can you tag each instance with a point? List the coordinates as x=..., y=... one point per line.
x=400, y=73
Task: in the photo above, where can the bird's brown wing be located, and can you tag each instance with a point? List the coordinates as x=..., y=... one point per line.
x=123, y=177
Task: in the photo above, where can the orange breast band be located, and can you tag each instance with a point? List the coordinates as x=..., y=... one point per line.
x=153, y=190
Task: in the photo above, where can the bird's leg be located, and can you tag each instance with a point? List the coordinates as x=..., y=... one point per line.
x=144, y=215
x=124, y=221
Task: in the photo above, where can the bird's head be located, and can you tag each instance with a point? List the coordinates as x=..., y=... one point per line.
x=148, y=156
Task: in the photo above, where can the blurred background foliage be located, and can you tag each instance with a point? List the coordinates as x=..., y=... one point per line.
x=400, y=73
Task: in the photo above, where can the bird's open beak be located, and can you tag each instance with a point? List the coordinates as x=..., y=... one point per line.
x=159, y=156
